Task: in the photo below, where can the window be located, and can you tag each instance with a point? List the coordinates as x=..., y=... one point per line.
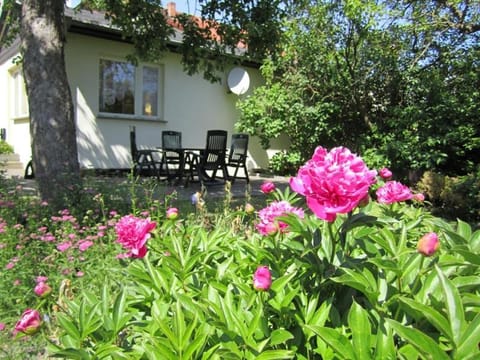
x=129, y=90
x=19, y=101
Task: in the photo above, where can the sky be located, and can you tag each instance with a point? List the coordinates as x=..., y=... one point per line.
x=186, y=6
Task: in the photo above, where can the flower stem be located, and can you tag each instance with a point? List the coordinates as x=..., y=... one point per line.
x=333, y=241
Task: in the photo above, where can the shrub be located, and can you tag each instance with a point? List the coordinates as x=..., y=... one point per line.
x=5, y=148
x=453, y=197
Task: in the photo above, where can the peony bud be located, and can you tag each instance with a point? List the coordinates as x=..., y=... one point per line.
x=267, y=187
x=42, y=289
x=262, y=279
x=385, y=173
x=249, y=209
x=29, y=323
x=172, y=213
x=428, y=244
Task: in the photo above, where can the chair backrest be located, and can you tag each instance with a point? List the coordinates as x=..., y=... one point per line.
x=171, y=139
x=133, y=143
x=238, y=149
x=216, y=147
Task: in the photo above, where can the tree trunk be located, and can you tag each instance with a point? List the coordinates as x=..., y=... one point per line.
x=52, y=125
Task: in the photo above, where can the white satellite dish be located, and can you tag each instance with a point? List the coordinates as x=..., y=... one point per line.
x=238, y=81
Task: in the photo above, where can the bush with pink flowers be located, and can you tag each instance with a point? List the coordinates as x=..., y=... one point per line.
x=350, y=276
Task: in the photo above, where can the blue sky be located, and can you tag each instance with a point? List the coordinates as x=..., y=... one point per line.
x=187, y=6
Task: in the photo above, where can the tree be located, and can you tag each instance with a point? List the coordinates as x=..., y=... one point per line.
x=207, y=46
x=394, y=81
x=52, y=127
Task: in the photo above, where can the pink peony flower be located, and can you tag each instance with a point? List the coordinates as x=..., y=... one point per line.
x=133, y=233
x=269, y=224
x=42, y=289
x=385, y=173
x=267, y=187
x=10, y=265
x=262, y=279
x=428, y=244
x=418, y=197
x=41, y=279
x=172, y=213
x=393, y=191
x=83, y=245
x=64, y=246
x=29, y=323
x=333, y=182
x=2, y=326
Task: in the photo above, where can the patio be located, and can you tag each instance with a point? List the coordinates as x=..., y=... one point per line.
x=213, y=191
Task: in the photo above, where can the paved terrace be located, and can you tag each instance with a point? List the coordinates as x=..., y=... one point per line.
x=215, y=190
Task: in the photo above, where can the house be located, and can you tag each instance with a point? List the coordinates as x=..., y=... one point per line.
x=110, y=95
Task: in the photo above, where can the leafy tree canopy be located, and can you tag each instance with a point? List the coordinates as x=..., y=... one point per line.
x=396, y=81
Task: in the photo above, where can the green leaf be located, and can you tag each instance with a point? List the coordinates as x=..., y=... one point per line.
x=475, y=241
x=466, y=282
x=338, y=342
x=69, y=327
x=470, y=339
x=254, y=323
x=433, y=316
x=280, y=283
x=110, y=351
x=75, y=354
x=118, y=313
x=171, y=336
x=275, y=354
x=453, y=304
x=464, y=229
x=361, y=331
x=196, y=344
x=359, y=219
x=423, y=343
x=468, y=256
x=360, y=280
x=280, y=336
x=385, y=347
x=183, y=336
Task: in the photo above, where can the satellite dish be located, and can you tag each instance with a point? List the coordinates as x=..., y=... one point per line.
x=238, y=81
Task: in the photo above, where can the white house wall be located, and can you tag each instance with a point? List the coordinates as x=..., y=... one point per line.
x=191, y=105
x=17, y=128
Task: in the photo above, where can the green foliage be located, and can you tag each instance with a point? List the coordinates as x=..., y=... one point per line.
x=5, y=148
x=337, y=82
x=354, y=289
x=452, y=197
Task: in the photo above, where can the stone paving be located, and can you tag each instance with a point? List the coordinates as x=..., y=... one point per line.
x=239, y=188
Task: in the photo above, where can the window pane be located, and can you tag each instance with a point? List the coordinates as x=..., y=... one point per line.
x=117, y=87
x=150, y=91
x=20, y=103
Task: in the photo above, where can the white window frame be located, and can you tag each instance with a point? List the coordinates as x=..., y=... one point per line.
x=138, y=93
x=18, y=98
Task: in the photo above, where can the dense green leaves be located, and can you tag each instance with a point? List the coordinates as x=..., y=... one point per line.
x=192, y=297
x=382, y=78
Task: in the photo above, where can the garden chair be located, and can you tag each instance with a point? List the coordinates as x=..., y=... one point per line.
x=237, y=157
x=205, y=165
x=172, y=157
x=146, y=162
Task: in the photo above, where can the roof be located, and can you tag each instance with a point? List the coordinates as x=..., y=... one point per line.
x=94, y=23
